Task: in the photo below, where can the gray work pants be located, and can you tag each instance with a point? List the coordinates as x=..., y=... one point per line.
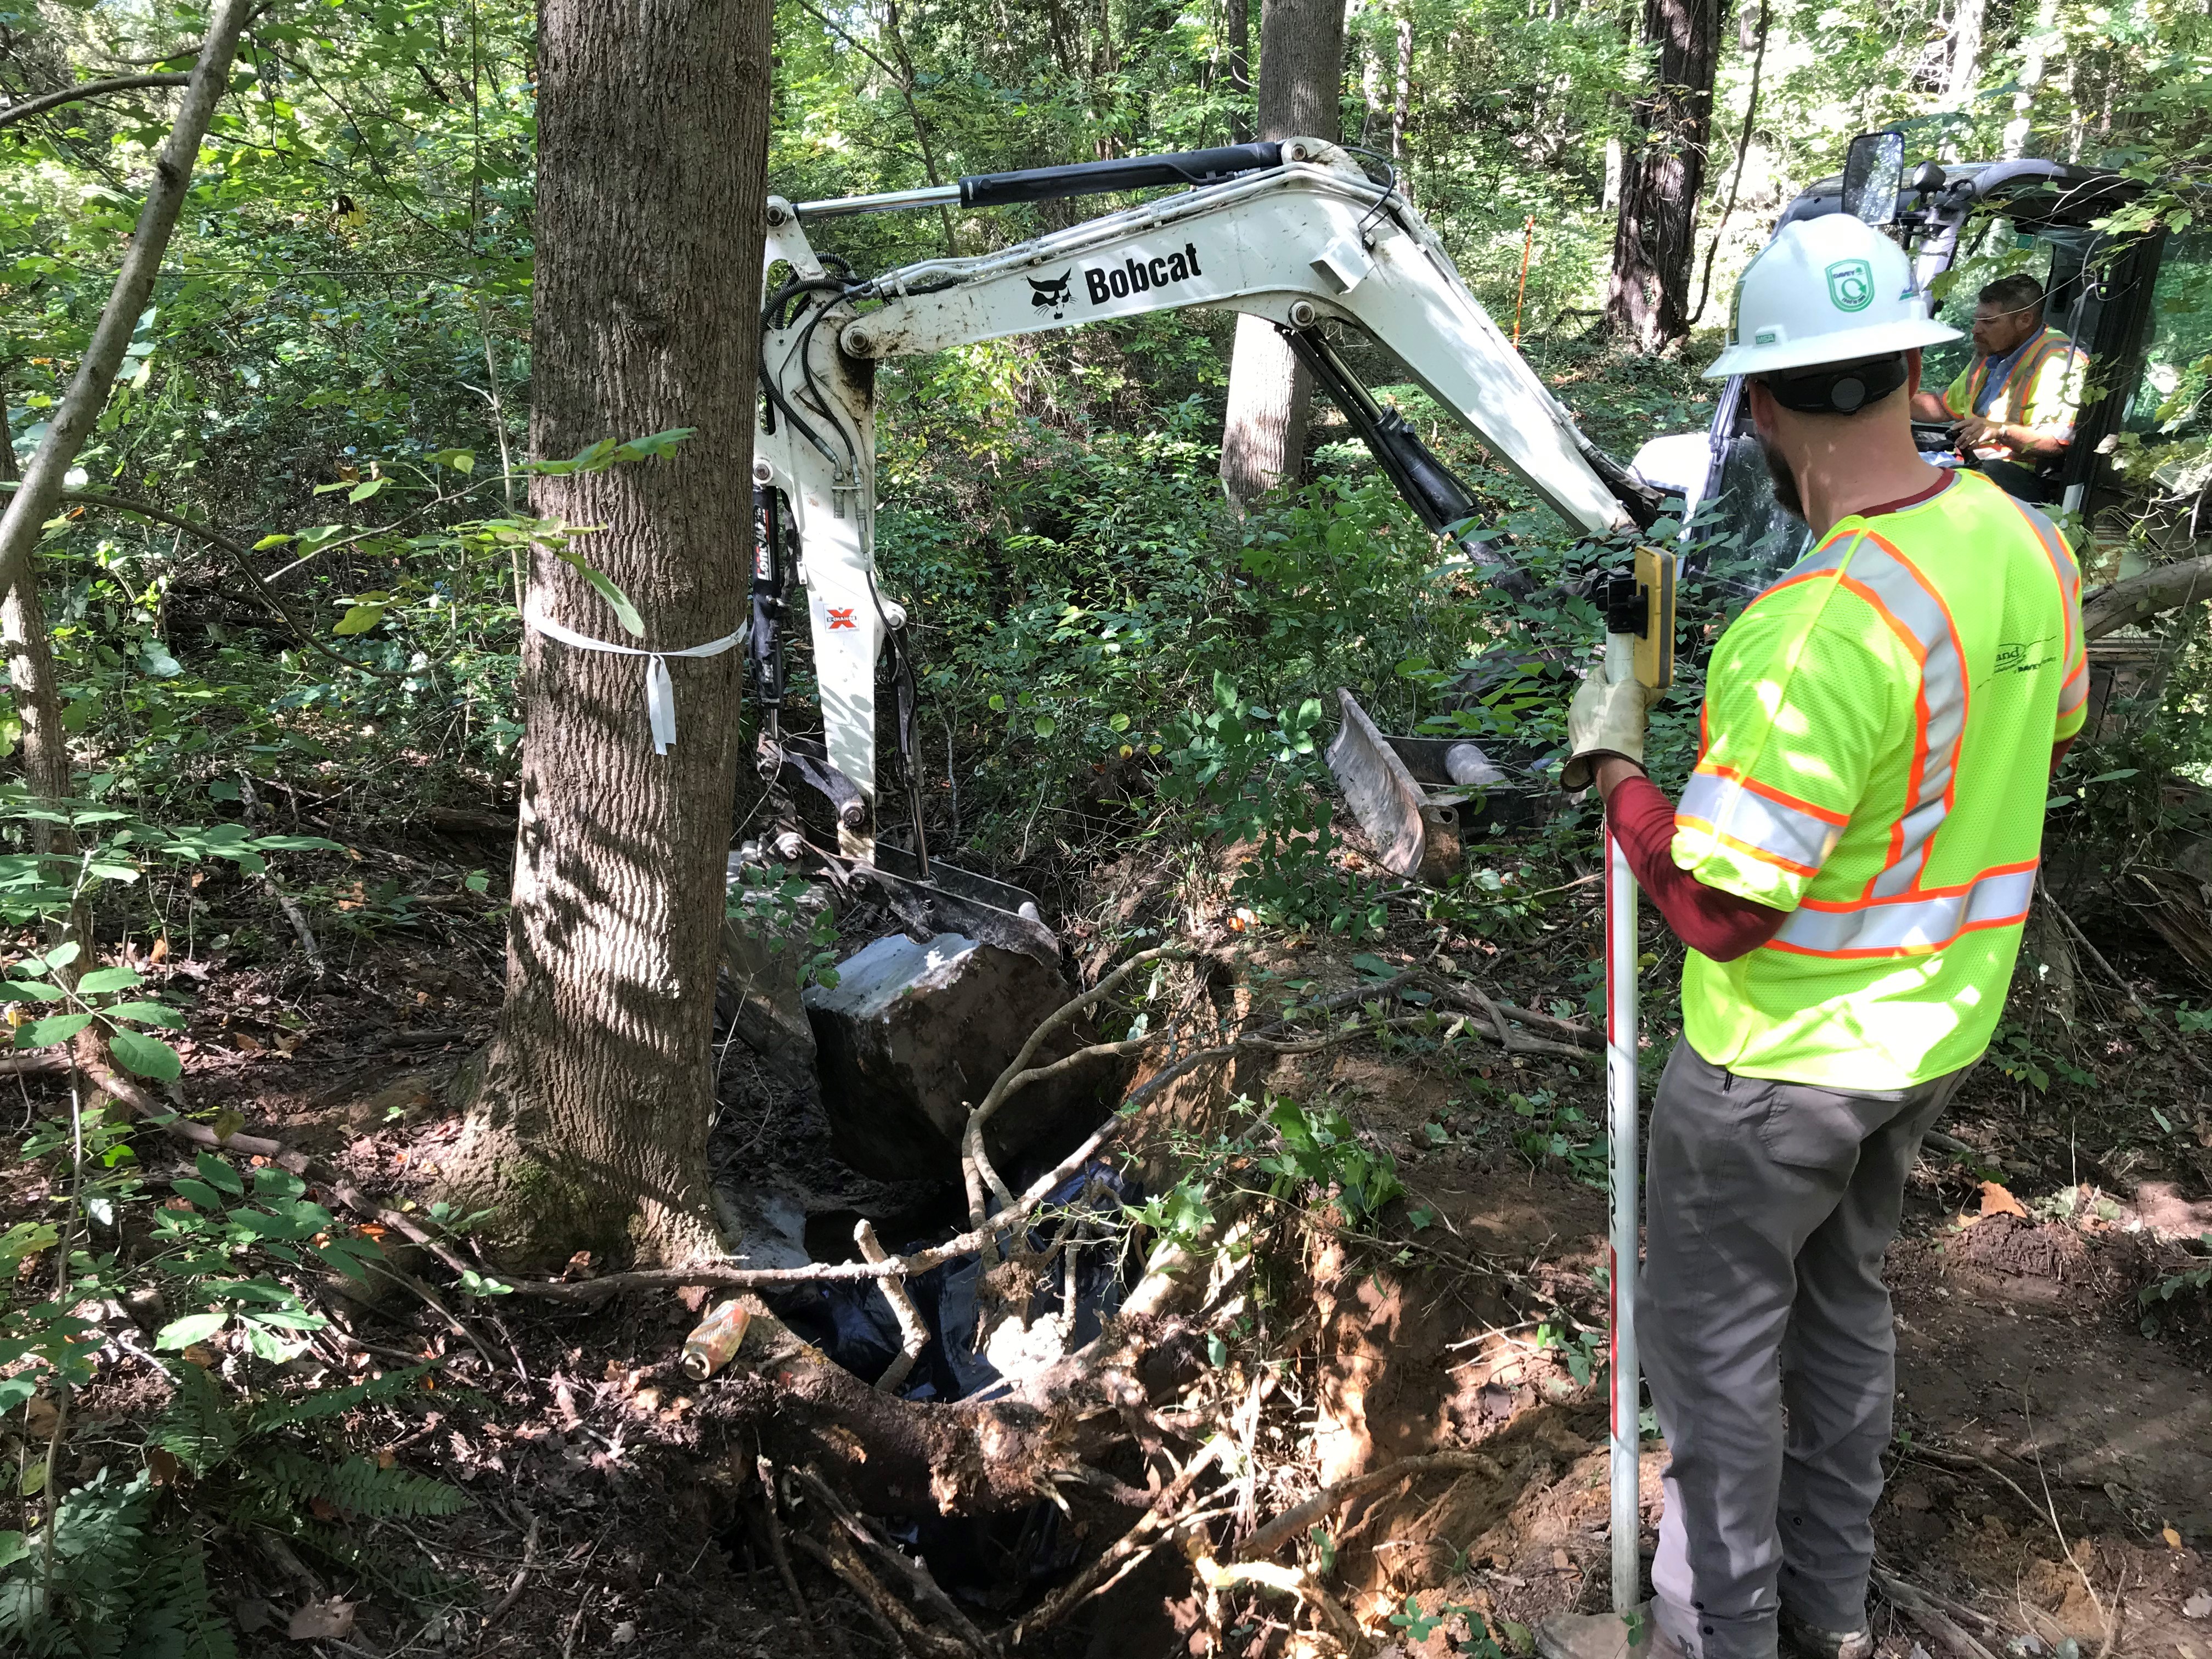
x=1768, y=1208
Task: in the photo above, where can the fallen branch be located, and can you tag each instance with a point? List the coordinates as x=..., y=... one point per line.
x=521, y=1577
x=1157, y=1526
x=46, y=100
x=914, y=1330
x=976, y=1171
x=1908, y=1599
x=916, y=1575
x=1293, y=1523
x=1287, y=1581
x=2161, y=588
x=139, y=1100
x=782, y=1558
x=2042, y=891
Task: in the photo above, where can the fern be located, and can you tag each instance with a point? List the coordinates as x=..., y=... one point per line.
x=130, y=1584
x=199, y=1428
x=329, y=1403
x=98, y=1545
x=368, y=1492
x=177, y=1618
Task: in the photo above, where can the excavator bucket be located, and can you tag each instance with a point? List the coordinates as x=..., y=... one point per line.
x=1407, y=792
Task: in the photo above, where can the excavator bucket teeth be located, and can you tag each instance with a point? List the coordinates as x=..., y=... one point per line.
x=1407, y=792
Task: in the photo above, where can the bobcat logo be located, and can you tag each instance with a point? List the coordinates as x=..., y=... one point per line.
x=1053, y=293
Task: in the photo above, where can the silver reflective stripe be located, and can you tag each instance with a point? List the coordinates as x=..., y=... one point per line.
x=1911, y=926
x=1913, y=603
x=1750, y=820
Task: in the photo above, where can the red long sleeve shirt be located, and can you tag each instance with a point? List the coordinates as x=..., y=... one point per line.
x=1714, y=924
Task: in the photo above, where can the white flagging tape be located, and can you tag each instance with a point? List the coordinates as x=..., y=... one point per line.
x=659, y=690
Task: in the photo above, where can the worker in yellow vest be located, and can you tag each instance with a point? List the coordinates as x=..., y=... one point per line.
x=2014, y=404
x=1850, y=866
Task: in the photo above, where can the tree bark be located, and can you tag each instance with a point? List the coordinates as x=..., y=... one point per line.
x=47, y=767
x=31, y=505
x=1263, y=438
x=1662, y=171
x=46, y=100
x=589, y=1124
x=1965, y=71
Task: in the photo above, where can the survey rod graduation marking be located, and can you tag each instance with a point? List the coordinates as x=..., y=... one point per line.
x=1639, y=644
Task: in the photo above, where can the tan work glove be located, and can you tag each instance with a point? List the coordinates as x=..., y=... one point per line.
x=1605, y=717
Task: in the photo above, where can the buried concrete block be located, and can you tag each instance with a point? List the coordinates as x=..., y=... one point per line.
x=913, y=1035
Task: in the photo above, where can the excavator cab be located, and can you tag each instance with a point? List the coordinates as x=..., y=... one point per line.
x=2133, y=298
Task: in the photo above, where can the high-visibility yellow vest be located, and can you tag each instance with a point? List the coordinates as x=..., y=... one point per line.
x=2042, y=390
x=1878, y=727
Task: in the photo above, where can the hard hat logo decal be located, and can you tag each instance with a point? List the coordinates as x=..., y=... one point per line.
x=1851, y=284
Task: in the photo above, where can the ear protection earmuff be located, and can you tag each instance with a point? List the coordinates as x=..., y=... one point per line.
x=1838, y=388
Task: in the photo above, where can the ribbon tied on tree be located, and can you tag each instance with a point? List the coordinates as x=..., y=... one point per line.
x=659, y=690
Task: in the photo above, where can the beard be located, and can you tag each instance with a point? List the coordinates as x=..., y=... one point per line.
x=1786, y=493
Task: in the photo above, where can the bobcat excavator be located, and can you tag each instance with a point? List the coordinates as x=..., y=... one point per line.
x=1295, y=232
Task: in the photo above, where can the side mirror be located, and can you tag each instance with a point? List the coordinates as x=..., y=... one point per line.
x=1874, y=171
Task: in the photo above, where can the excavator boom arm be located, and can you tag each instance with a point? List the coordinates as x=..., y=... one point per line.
x=1308, y=240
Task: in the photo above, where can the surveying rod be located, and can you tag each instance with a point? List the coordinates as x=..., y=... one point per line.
x=1639, y=644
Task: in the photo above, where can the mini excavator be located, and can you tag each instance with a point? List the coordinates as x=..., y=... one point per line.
x=1297, y=232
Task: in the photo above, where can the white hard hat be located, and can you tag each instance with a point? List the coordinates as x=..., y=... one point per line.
x=1827, y=290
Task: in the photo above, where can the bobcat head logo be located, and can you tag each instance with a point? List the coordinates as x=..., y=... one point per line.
x=1053, y=293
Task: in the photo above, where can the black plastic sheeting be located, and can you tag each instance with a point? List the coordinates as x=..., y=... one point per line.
x=852, y=1322
x=994, y=1561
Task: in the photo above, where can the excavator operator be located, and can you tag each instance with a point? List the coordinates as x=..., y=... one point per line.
x=1850, y=866
x=2014, y=404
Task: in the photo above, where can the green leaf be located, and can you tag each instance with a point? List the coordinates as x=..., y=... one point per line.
x=55, y=1028
x=218, y=1172
x=192, y=1327
x=145, y=1056
x=31, y=990
x=359, y=619
x=1045, y=725
x=12, y=1549
x=272, y=1180
x=268, y=541
x=366, y=487
x=146, y=1013
x=625, y=612
x=657, y=443
x=199, y=1193
x=108, y=979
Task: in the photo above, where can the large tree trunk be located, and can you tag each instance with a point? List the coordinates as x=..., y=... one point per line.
x=1301, y=66
x=589, y=1123
x=1661, y=173
x=1964, y=72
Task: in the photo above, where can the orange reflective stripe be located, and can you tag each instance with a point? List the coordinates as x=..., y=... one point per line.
x=1757, y=819
x=1918, y=925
